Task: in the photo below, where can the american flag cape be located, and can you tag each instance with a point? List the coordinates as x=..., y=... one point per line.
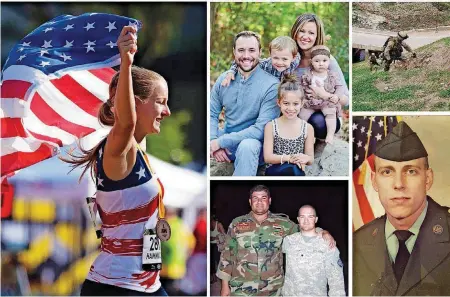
x=367, y=132
x=53, y=83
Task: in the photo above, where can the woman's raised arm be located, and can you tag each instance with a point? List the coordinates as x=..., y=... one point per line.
x=120, y=150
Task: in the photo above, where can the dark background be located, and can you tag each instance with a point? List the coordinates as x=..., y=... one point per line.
x=229, y=199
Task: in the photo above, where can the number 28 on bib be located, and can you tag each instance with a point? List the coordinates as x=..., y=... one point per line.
x=151, y=254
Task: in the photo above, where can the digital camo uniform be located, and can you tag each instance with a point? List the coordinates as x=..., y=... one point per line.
x=393, y=49
x=310, y=265
x=252, y=261
x=373, y=63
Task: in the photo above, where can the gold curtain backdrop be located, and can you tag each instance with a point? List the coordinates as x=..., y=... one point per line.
x=434, y=133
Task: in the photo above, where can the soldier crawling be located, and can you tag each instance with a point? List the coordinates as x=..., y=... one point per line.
x=310, y=263
x=393, y=48
x=373, y=62
x=252, y=262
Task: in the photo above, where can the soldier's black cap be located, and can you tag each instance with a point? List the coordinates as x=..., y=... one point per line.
x=401, y=144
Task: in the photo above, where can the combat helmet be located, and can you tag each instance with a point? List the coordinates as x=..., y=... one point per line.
x=402, y=35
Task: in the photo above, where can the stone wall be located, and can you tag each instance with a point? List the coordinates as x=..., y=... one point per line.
x=329, y=160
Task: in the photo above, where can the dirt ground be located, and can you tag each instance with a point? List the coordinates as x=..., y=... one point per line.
x=400, y=16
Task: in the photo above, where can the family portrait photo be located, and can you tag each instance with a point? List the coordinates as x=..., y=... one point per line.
x=279, y=89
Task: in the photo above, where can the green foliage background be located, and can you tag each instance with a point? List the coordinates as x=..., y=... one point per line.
x=272, y=20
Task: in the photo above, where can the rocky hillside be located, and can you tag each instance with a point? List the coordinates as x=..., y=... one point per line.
x=400, y=16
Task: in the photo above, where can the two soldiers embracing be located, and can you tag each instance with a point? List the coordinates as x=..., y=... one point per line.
x=252, y=262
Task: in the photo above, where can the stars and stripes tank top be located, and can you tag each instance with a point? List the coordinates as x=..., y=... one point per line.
x=126, y=207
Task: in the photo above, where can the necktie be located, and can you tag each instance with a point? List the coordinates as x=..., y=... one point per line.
x=403, y=254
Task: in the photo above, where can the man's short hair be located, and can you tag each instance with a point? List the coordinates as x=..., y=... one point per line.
x=247, y=34
x=427, y=165
x=310, y=206
x=259, y=188
x=284, y=42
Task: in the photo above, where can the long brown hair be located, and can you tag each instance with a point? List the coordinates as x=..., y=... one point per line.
x=143, y=88
x=301, y=21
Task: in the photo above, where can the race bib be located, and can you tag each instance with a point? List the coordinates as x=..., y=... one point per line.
x=151, y=254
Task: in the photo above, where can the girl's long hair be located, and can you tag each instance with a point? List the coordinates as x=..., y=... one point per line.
x=144, y=83
x=290, y=83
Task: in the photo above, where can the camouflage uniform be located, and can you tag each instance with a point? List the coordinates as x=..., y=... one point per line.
x=393, y=49
x=252, y=261
x=310, y=264
x=373, y=63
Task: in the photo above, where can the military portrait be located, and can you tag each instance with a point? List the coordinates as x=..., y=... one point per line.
x=401, y=245
x=257, y=256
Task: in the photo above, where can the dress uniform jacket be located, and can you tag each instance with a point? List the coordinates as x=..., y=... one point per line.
x=428, y=268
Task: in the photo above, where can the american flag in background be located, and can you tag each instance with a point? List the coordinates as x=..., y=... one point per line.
x=367, y=132
x=53, y=83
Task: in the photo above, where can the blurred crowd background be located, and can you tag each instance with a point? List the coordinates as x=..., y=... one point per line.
x=47, y=239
